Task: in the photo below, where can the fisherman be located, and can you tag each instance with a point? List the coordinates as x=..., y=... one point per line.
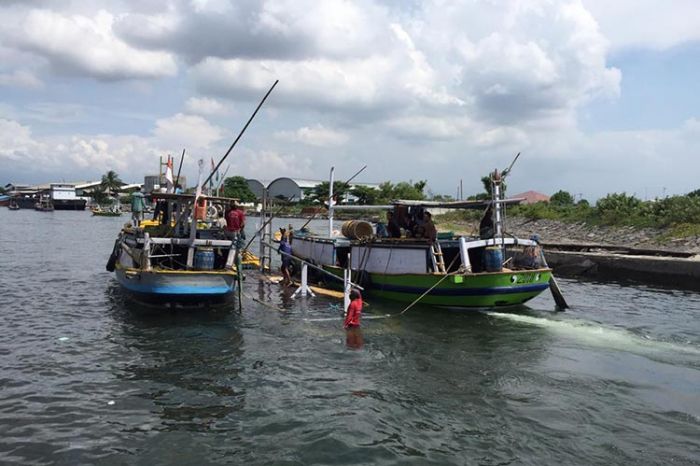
x=392, y=225
x=233, y=222
x=285, y=250
x=429, y=230
x=161, y=209
x=353, y=314
x=486, y=225
x=137, y=206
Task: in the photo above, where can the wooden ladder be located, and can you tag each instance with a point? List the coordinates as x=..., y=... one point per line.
x=438, y=258
x=266, y=237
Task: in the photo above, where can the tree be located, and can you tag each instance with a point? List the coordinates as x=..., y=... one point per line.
x=111, y=181
x=237, y=187
x=561, y=198
x=365, y=195
x=695, y=193
x=408, y=191
x=402, y=190
x=486, y=181
x=442, y=198
x=99, y=195
x=2, y=190
x=321, y=191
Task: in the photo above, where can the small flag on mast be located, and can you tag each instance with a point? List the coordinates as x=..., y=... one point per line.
x=169, y=176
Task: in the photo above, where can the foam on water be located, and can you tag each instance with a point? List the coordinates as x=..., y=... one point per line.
x=594, y=334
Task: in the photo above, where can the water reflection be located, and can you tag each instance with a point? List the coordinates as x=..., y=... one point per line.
x=163, y=349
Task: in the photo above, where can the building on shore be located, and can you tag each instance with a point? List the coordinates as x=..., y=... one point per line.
x=63, y=196
x=531, y=197
x=294, y=189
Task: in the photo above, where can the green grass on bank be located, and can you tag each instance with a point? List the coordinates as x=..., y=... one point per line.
x=678, y=215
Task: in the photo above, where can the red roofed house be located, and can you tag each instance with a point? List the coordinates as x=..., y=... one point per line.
x=531, y=197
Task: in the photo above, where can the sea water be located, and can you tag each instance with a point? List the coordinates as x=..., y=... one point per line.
x=89, y=376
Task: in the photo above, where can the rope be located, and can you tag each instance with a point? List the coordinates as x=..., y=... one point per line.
x=432, y=287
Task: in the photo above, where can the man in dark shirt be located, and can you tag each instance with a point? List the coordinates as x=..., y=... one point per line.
x=429, y=230
x=392, y=226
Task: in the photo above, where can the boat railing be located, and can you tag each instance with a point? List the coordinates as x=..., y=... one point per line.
x=465, y=246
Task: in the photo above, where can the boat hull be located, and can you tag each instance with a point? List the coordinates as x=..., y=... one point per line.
x=177, y=285
x=106, y=214
x=69, y=204
x=467, y=291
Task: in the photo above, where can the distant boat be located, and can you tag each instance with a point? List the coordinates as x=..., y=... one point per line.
x=63, y=197
x=13, y=204
x=178, y=261
x=111, y=212
x=44, y=204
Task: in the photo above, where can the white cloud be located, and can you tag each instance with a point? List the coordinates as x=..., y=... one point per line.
x=16, y=142
x=206, y=106
x=81, y=45
x=270, y=164
x=317, y=135
x=20, y=78
x=187, y=131
x=272, y=29
x=647, y=23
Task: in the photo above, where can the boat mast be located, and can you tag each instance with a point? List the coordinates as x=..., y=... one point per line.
x=496, y=180
x=330, y=205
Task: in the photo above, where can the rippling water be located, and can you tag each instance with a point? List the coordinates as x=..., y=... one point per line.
x=89, y=376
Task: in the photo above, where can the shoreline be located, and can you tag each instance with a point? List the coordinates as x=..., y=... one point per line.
x=555, y=232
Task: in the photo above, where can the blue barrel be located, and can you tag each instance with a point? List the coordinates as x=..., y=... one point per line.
x=493, y=259
x=204, y=259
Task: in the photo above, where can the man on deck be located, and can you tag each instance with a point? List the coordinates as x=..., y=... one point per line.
x=235, y=222
x=392, y=225
x=137, y=206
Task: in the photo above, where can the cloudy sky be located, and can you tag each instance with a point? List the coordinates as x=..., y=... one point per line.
x=599, y=96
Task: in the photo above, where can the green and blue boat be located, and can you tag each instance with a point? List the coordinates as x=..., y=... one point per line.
x=461, y=272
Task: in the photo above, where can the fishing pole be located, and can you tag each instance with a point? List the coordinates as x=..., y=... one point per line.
x=240, y=134
x=177, y=178
x=505, y=172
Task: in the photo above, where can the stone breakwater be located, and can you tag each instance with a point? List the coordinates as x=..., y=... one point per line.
x=611, y=253
x=552, y=231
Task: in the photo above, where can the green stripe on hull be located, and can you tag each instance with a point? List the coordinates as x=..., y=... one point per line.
x=465, y=291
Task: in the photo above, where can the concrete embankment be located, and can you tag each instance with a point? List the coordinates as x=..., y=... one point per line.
x=679, y=272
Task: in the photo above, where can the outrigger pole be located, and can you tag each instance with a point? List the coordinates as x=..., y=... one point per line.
x=241, y=133
x=179, y=169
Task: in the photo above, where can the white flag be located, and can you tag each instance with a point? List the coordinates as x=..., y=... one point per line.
x=169, y=176
x=199, y=180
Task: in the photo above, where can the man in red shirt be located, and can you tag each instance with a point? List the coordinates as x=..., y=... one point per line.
x=235, y=219
x=354, y=312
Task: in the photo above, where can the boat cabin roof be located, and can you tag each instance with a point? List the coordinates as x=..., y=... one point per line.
x=190, y=197
x=454, y=204
x=430, y=204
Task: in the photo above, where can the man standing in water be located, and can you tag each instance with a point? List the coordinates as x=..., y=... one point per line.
x=353, y=315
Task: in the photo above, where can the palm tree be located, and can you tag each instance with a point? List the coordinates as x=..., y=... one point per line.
x=111, y=181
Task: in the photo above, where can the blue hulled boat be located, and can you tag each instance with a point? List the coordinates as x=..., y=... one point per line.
x=173, y=258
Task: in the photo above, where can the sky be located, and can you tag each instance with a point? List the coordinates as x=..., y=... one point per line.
x=597, y=96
